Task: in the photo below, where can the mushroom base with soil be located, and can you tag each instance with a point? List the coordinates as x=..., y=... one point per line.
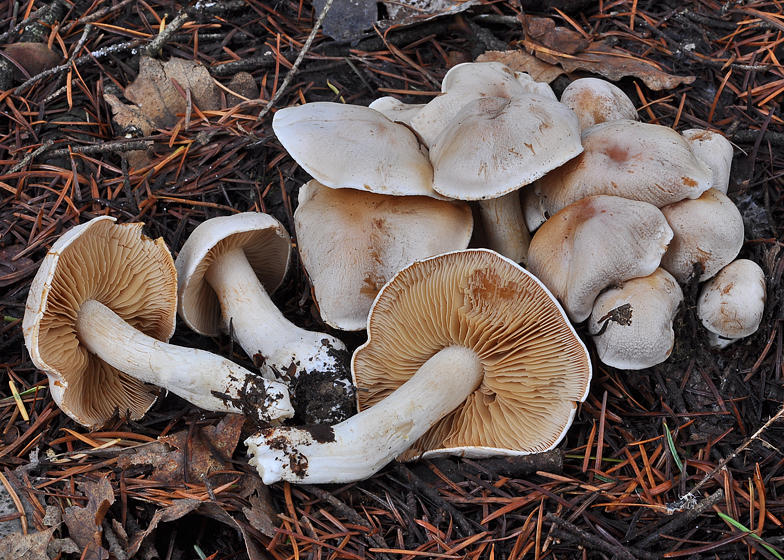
x=360, y=446
x=290, y=354
x=202, y=378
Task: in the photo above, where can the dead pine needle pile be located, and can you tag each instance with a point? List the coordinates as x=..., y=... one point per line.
x=161, y=113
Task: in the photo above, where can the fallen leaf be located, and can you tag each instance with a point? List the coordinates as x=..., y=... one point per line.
x=84, y=523
x=261, y=515
x=179, y=509
x=18, y=546
x=214, y=511
x=243, y=84
x=208, y=449
x=156, y=97
x=547, y=34
x=521, y=61
x=33, y=57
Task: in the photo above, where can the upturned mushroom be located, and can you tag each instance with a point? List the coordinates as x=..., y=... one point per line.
x=353, y=242
x=594, y=243
x=707, y=230
x=633, y=160
x=99, y=313
x=493, y=147
x=731, y=304
x=631, y=325
x=226, y=268
x=467, y=354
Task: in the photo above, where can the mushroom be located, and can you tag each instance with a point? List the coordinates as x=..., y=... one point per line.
x=99, y=313
x=731, y=303
x=493, y=147
x=631, y=325
x=596, y=101
x=708, y=230
x=226, y=267
x=468, y=82
x=350, y=146
x=467, y=354
x=395, y=110
x=353, y=242
x=638, y=161
x=715, y=151
x=594, y=243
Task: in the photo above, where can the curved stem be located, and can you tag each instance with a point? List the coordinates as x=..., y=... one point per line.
x=202, y=378
x=504, y=226
x=260, y=328
x=360, y=446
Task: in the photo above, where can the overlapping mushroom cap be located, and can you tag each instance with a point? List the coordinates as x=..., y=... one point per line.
x=536, y=369
x=353, y=242
x=350, y=146
x=594, y=243
x=120, y=268
x=633, y=160
x=596, y=101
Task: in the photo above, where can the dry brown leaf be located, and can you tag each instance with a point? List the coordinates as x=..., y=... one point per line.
x=521, y=61
x=33, y=57
x=84, y=523
x=179, y=509
x=561, y=39
x=18, y=546
x=261, y=514
x=208, y=449
x=243, y=84
x=156, y=97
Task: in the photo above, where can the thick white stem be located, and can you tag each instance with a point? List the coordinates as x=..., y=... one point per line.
x=260, y=327
x=504, y=226
x=205, y=379
x=360, y=446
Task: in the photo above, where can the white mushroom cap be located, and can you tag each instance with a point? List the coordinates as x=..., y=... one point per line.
x=395, y=110
x=638, y=161
x=350, y=146
x=496, y=145
x=708, y=230
x=468, y=343
x=594, y=243
x=715, y=151
x=97, y=319
x=468, y=82
x=353, y=242
x=631, y=325
x=596, y=101
x=731, y=304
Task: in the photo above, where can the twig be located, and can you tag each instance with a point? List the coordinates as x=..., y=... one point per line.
x=95, y=16
x=46, y=146
x=32, y=18
x=684, y=519
x=290, y=76
x=155, y=46
x=588, y=540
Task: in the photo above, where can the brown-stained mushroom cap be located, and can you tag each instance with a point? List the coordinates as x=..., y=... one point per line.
x=126, y=271
x=536, y=369
x=596, y=101
x=633, y=160
x=353, y=242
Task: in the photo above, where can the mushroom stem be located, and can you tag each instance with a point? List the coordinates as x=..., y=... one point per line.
x=505, y=228
x=260, y=327
x=360, y=446
x=202, y=378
